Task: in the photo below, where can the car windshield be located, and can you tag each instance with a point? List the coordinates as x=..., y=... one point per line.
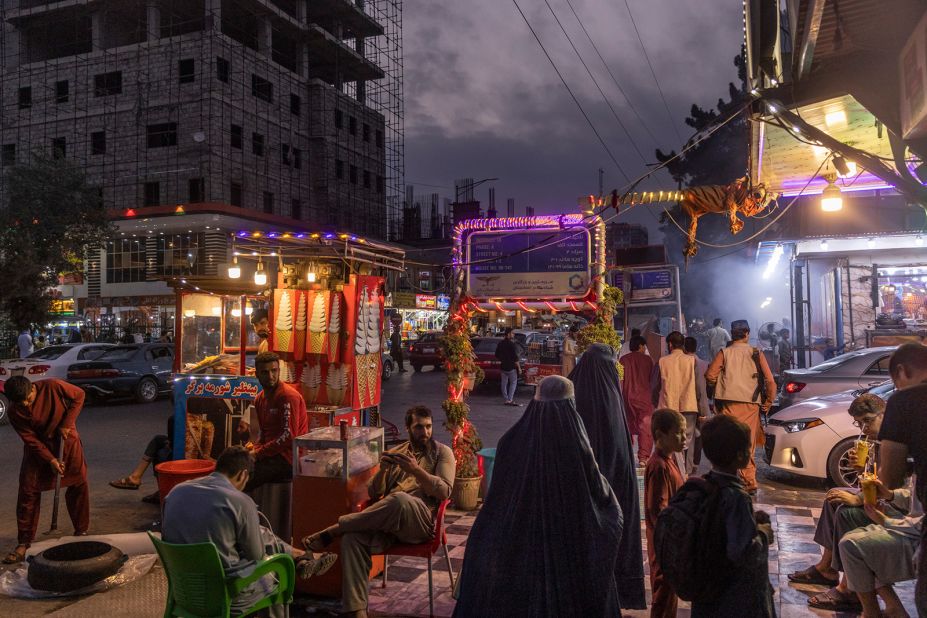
x=50, y=353
x=118, y=354
x=883, y=390
x=839, y=360
x=486, y=346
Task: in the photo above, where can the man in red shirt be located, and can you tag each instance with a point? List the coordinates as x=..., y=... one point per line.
x=635, y=388
x=281, y=413
x=44, y=414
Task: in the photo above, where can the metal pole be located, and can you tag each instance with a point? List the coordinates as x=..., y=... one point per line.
x=799, y=324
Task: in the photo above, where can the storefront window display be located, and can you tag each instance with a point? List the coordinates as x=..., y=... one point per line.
x=903, y=297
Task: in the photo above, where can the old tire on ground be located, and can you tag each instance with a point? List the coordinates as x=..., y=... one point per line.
x=4, y=409
x=147, y=390
x=72, y=566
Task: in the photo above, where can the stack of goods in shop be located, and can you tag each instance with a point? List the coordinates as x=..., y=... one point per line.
x=330, y=343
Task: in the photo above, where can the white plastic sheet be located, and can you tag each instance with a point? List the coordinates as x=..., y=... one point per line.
x=15, y=583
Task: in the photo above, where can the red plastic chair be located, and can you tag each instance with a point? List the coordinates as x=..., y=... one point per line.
x=426, y=551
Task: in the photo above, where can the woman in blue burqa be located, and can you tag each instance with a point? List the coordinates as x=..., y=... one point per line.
x=547, y=535
x=599, y=403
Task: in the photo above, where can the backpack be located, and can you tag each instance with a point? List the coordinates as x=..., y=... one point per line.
x=690, y=542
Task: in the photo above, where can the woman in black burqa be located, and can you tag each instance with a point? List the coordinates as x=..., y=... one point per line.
x=599, y=403
x=548, y=524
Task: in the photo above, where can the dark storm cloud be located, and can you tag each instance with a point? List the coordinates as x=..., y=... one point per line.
x=482, y=100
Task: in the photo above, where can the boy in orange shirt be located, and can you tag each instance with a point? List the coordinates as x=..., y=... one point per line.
x=662, y=479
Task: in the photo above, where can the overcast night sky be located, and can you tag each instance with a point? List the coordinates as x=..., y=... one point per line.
x=482, y=100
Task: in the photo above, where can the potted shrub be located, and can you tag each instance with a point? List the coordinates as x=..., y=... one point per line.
x=462, y=376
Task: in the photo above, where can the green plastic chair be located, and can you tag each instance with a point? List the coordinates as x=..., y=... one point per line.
x=198, y=588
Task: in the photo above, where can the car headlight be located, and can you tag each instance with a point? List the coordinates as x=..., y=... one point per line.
x=801, y=424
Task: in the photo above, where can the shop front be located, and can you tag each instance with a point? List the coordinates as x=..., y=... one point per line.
x=416, y=313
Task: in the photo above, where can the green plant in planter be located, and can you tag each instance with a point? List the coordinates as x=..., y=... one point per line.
x=602, y=328
x=459, y=362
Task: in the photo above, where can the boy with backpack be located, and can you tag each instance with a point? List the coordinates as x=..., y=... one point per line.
x=662, y=479
x=710, y=545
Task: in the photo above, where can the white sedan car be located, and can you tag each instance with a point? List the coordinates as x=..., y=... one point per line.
x=813, y=437
x=51, y=362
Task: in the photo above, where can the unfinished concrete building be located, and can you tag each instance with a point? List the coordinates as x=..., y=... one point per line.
x=267, y=111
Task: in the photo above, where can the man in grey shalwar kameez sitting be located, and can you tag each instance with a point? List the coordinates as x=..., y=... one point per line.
x=215, y=509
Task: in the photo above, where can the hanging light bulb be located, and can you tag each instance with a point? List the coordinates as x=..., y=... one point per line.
x=831, y=200
x=260, y=277
x=234, y=269
x=310, y=277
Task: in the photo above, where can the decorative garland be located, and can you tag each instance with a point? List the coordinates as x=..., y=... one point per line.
x=602, y=327
x=461, y=368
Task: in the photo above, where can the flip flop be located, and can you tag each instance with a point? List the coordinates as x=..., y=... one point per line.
x=124, y=483
x=317, y=542
x=15, y=557
x=811, y=575
x=309, y=567
x=836, y=601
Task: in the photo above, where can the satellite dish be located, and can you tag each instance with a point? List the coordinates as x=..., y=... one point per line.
x=199, y=137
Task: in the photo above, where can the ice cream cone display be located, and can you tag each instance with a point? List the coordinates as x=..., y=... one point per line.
x=373, y=345
x=287, y=372
x=318, y=323
x=299, y=346
x=334, y=327
x=336, y=383
x=283, y=325
x=310, y=383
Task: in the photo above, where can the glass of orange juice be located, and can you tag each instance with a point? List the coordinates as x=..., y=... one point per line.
x=870, y=490
x=862, y=453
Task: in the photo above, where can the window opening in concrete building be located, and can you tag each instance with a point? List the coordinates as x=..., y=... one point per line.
x=98, y=143
x=181, y=254
x=162, y=135
x=59, y=147
x=222, y=69
x=285, y=154
x=295, y=104
x=366, y=132
x=352, y=125
x=235, y=194
x=297, y=155
x=8, y=155
x=237, y=136
x=25, y=97
x=339, y=169
x=186, y=69
x=353, y=174
x=366, y=179
x=125, y=260
x=296, y=209
x=152, y=194
x=106, y=84
x=268, y=202
x=339, y=119
x=262, y=89
x=197, y=190
x=257, y=144
x=62, y=91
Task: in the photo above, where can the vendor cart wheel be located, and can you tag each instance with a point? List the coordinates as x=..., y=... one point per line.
x=73, y=566
x=4, y=409
x=147, y=390
x=387, y=370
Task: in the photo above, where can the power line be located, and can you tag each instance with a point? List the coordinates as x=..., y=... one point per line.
x=570, y=91
x=612, y=75
x=595, y=81
x=652, y=72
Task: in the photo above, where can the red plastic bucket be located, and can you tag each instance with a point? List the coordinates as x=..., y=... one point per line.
x=171, y=473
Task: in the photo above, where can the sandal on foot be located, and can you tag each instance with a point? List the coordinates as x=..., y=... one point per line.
x=836, y=601
x=318, y=541
x=15, y=556
x=310, y=566
x=811, y=575
x=124, y=483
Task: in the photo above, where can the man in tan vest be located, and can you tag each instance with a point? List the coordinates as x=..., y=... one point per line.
x=674, y=387
x=739, y=374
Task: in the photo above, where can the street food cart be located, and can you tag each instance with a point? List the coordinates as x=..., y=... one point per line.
x=315, y=299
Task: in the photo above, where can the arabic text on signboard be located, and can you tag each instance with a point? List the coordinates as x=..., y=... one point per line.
x=502, y=266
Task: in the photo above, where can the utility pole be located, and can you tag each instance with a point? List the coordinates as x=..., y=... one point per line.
x=601, y=182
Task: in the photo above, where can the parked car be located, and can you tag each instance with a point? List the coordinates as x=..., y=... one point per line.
x=4, y=407
x=850, y=371
x=142, y=370
x=389, y=366
x=521, y=336
x=485, y=350
x=813, y=437
x=426, y=350
x=52, y=361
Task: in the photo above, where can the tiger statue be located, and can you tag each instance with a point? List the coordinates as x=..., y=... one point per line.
x=737, y=197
